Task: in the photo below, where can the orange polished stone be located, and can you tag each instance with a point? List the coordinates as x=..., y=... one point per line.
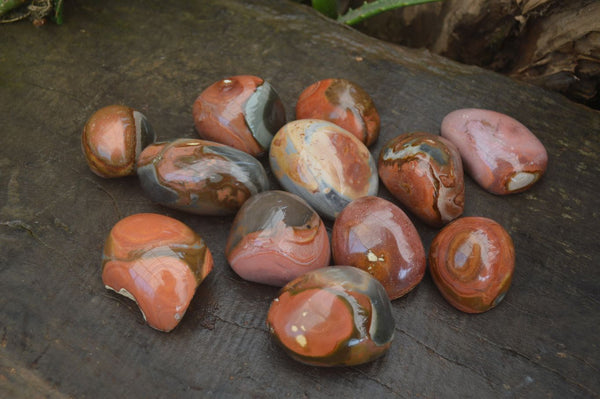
x=344, y=103
x=471, y=262
x=158, y=262
x=376, y=236
x=113, y=138
x=333, y=316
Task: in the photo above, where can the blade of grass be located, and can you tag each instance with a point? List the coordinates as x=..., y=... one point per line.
x=376, y=7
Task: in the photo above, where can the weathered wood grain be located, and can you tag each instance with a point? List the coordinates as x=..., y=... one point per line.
x=63, y=335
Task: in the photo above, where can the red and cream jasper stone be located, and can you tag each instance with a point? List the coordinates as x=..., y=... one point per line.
x=498, y=152
x=424, y=172
x=344, y=103
x=471, y=262
x=275, y=237
x=113, y=138
x=334, y=316
x=376, y=236
x=158, y=262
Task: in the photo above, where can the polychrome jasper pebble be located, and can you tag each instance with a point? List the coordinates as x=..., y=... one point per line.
x=498, y=152
x=113, y=138
x=200, y=176
x=158, y=262
x=276, y=236
x=344, y=103
x=376, y=236
x=324, y=164
x=335, y=316
x=243, y=112
x=472, y=261
x=424, y=172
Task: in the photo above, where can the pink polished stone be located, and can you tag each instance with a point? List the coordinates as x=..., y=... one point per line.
x=376, y=236
x=276, y=237
x=501, y=154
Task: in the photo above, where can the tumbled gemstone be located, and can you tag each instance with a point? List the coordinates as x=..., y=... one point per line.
x=158, y=262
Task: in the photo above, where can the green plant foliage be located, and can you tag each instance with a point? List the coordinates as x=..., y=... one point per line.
x=368, y=10
x=327, y=7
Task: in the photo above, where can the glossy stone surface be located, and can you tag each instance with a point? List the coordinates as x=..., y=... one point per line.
x=344, y=103
x=376, y=236
x=200, y=176
x=335, y=316
x=498, y=152
x=472, y=261
x=243, y=112
x=324, y=164
x=424, y=172
x=158, y=262
x=275, y=237
x=113, y=138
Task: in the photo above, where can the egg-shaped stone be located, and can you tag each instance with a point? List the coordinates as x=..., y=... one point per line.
x=499, y=153
x=472, y=262
x=324, y=164
x=376, y=236
x=335, y=316
x=275, y=237
x=200, y=176
x=113, y=138
x=242, y=111
x=344, y=103
x=424, y=172
x=158, y=262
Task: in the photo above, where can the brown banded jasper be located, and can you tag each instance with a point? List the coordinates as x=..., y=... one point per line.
x=158, y=262
x=200, y=176
x=275, y=237
x=334, y=316
x=471, y=262
x=242, y=111
x=113, y=138
x=344, y=103
x=376, y=236
x=424, y=172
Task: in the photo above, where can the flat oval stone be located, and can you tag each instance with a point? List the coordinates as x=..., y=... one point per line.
x=113, y=138
x=471, y=262
x=334, y=316
x=344, y=103
x=158, y=262
x=498, y=152
x=275, y=237
x=424, y=172
x=324, y=164
x=200, y=176
x=376, y=236
x=243, y=112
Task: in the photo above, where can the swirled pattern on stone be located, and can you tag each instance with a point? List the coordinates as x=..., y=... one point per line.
x=324, y=164
x=334, y=316
x=200, y=176
x=471, y=262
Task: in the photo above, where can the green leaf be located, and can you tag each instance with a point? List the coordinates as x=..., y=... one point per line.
x=368, y=10
x=7, y=5
x=327, y=7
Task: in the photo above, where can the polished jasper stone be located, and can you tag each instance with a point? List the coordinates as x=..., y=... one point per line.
x=501, y=154
x=376, y=236
x=276, y=236
x=344, y=103
x=334, y=316
x=200, y=176
x=158, y=262
x=324, y=164
x=471, y=262
x=113, y=138
x=243, y=112
x=424, y=172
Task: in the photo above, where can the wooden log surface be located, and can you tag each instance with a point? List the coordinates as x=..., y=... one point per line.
x=63, y=335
